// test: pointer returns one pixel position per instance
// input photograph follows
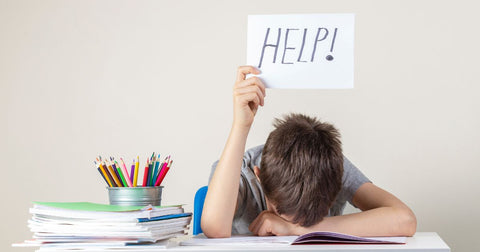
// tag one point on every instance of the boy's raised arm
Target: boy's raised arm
(220, 202)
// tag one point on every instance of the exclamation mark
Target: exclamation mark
(330, 57)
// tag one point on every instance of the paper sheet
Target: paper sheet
(302, 50)
(244, 240)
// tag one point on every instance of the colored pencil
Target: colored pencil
(105, 171)
(135, 177)
(145, 174)
(120, 173)
(110, 178)
(164, 172)
(99, 170)
(151, 166)
(155, 172)
(114, 175)
(122, 178)
(160, 174)
(104, 174)
(150, 171)
(125, 174)
(162, 167)
(132, 171)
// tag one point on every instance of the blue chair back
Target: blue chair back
(198, 208)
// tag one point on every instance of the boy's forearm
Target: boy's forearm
(221, 199)
(383, 221)
(222, 194)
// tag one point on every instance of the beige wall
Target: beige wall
(125, 78)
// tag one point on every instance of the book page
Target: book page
(244, 240)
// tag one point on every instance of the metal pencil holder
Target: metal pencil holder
(135, 196)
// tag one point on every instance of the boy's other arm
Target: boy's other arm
(220, 201)
(382, 214)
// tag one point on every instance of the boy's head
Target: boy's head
(301, 168)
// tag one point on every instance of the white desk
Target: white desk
(420, 242)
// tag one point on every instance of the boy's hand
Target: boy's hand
(268, 223)
(248, 94)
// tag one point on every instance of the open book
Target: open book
(310, 238)
(332, 237)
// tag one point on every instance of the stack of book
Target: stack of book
(82, 224)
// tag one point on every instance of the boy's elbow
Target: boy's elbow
(211, 229)
(408, 222)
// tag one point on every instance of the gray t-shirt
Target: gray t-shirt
(251, 200)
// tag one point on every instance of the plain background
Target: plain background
(125, 78)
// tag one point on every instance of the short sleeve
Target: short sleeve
(352, 179)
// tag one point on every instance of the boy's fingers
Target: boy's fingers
(256, 103)
(242, 71)
(251, 89)
(263, 231)
(245, 99)
(252, 228)
(265, 228)
(252, 81)
(257, 226)
(254, 225)
(254, 108)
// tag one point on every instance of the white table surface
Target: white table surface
(420, 242)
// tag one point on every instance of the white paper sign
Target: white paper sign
(302, 50)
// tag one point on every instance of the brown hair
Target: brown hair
(302, 167)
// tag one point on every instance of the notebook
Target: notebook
(76, 225)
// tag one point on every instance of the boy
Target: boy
(297, 183)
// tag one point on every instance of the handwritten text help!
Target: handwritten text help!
(304, 51)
